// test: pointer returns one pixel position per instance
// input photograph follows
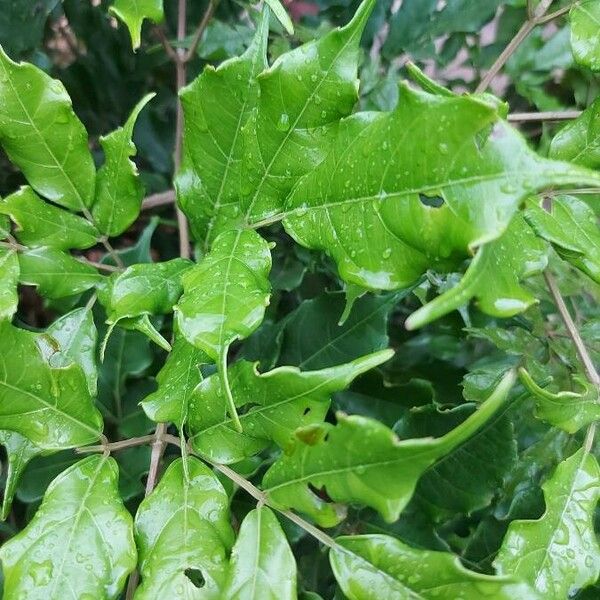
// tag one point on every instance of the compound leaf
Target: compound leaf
(558, 553)
(216, 106)
(370, 567)
(279, 402)
(361, 460)
(55, 160)
(182, 530)
(262, 564)
(42, 224)
(119, 191)
(50, 406)
(80, 542)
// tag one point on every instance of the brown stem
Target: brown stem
(582, 351)
(556, 115)
(112, 446)
(212, 5)
(160, 199)
(524, 31)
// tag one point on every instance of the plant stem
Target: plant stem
(212, 5)
(557, 115)
(227, 388)
(582, 351)
(112, 446)
(533, 20)
(160, 199)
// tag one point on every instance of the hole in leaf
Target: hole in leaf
(432, 201)
(306, 411)
(320, 492)
(326, 438)
(196, 577)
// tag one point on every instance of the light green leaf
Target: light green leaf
(280, 401)
(402, 192)
(177, 381)
(579, 140)
(302, 96)
(119, 191)
(361, 460)
(225, 295)
(74, 338)
(281, 14)
(133, 13)
(372, 567)
(19, 451)
(493, 277)
(262, 564)
(568, 410)
(558, 553)
(55, 160)
(80, 542)
(9, 278)
(56, 274)
(181, 529)
(571, 226)
(585, 33)
(50, 406)
(216, 106)
(143, 289)
(42, 224)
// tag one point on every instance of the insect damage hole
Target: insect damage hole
(195, 576)
(432, 200)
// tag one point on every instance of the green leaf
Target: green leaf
(312, 338)
(281, 14)
(50, 406)
(56, 274)
(493, 277)
(55, 160)
(579, 140)
(216, 106)
(302, 96)
(74, 338)
(177, 381)
(181, 529)
(279, 402)
(80, 542)
(558, 553)
(361, 460)
(143, 289)
(262, 564)
(42, 224)
(19, 451)
(9, 278)
(568, 410)
(401, 192)
(119, 191)
(571, 226)
(133, 13)
(585, 33)
(225, 295)
(371, 567)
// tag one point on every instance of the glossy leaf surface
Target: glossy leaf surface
(80, 542)
(262, 564)
(42, 224)
(183, 527)
(50, 406)
(302, 95)
(361, 460)
(56, 161)
(585, 36)
(370, 567)
(216, 105)
(558, 553)
(119, 191)
(9, 278)
(571, 227)
(371, 208)
(278, 401)
(133, 13)
(225, 295)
